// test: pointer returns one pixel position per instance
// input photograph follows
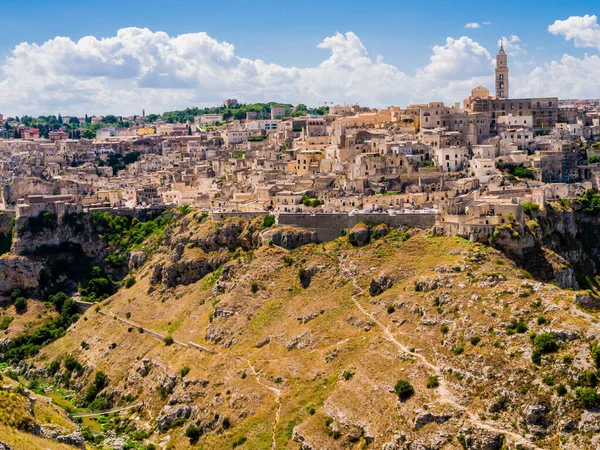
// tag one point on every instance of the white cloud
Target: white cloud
(486, 23)
(570, 77)
(139, 68)
(583, 30)
(512, 45)
(472, 25)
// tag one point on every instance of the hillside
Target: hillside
(408, 341)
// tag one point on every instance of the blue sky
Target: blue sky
(287, 34)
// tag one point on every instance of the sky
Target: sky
(119, 57)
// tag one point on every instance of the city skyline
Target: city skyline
(102, 69)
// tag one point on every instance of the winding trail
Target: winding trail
(275, 391)
(444, 393)
(108, 411)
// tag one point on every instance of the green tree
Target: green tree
(88, 133)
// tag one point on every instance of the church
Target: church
(544, 110)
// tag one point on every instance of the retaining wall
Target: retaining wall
(328, 226)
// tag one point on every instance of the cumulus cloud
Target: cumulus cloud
(512, 45)
(570, 77)
(583, 30)
(472, 25)
(138, 68)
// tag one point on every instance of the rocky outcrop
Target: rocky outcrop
(425, 417)
(362, 233)
(186, 271)
(4, 446)
(18, 272)
(587, 301)
(137, 259)
(169, 415)
(289, 237)
(380, 284)
(75, 439)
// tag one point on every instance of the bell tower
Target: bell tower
(501, 73)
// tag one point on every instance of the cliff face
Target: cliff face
(556, 245)
(18, 272)
(32, 236)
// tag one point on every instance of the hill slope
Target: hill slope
(272, 348)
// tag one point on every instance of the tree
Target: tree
(74, 120)
(227, 115)
(88, 133)
(59, 118)
(404, 389)
(110, 119)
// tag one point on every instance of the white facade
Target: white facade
(451, 159)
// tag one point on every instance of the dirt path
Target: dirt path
(445, 396)
(277, 393)
(108, 411)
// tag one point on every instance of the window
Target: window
(447, 157)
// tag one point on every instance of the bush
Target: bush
(530, 208)
(433, 382)
(129, 281)
(21, 304)
(193, 433)
(545, 343)
(390, 309)
(541, 320)
(404, 390)
(226, 423)
(595, 350)
(517, 327)
(347, 374)
(444, 329)
(168, 340)
(184, 371)
(458, 350)
(587, 397)
(268, 222)
(239, 441)
(71, 364)
(254, 287)
(475, 340)
(5, 322)
(561, 390)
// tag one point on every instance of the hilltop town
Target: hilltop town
(467, 168)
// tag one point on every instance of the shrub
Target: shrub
(347, 374)
(239, 441)
(545, 343)
(390, 309)
(567, 359)
(541, 320)
(226, 423)
(475, 340)
(193, 433)
(71, 364)
(561, 390)
(530, 208)
(404, 390)
(433, 382)
(458, 349)
(168, 340)
(588, 379)
(129, 281)
(587, 397)
(536, 357)
(595, 350)
(5, 322)
(444, 329)
(21, 304)
(254, 287)
(517, 327)
(184, 371)
(288, 260)
(268, 222)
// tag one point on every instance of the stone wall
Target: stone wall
(328, 226)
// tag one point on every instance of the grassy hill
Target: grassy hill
(224, 343)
